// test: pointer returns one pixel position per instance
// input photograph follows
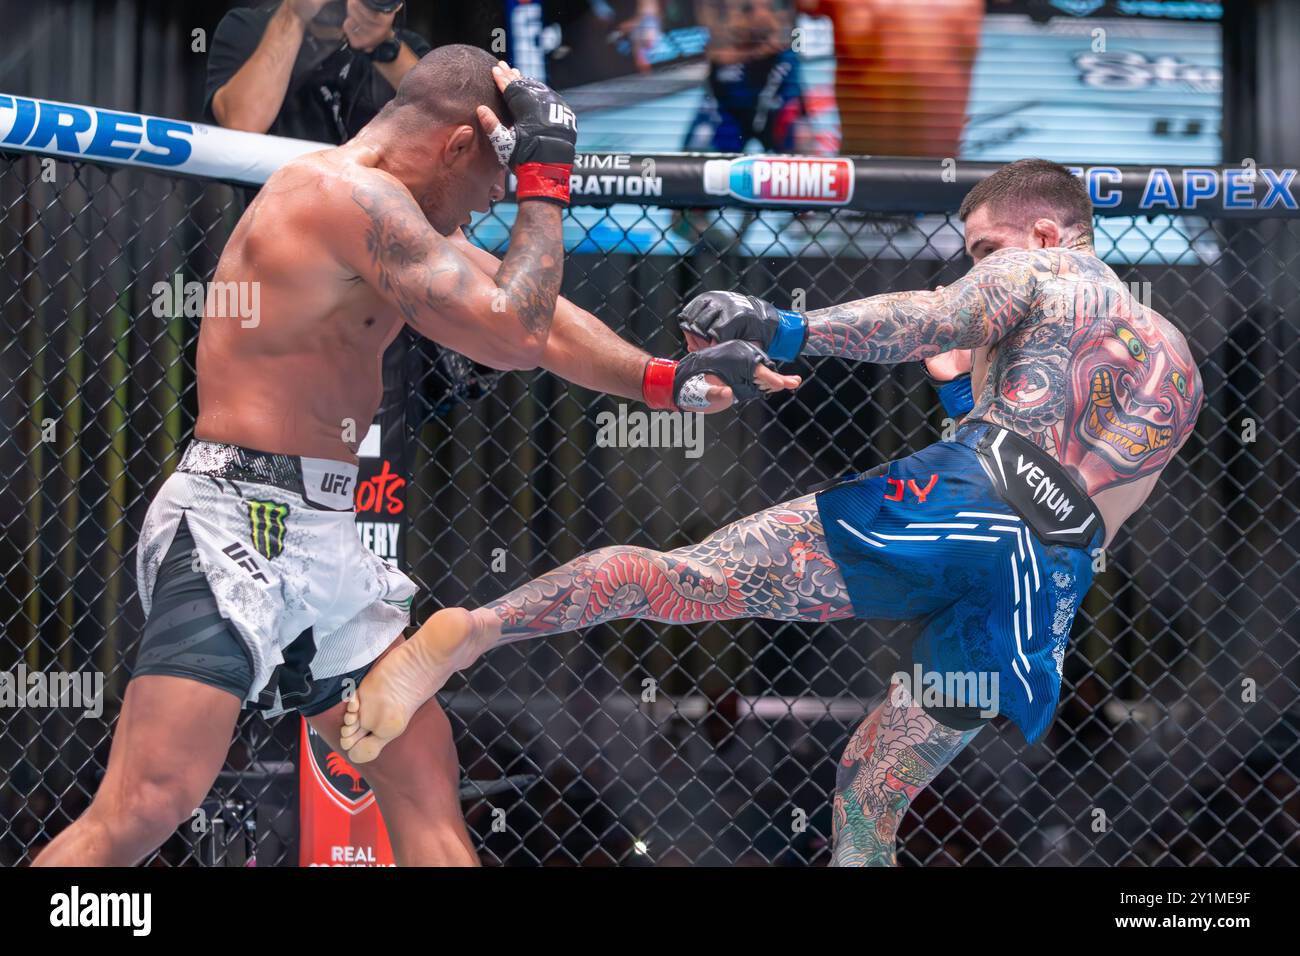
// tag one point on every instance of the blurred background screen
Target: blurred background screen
(1130, 81)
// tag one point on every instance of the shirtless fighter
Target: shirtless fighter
(256, 585)
(1081, 397)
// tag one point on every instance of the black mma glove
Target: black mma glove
(540, 147)
(668, 384)
(731, 316)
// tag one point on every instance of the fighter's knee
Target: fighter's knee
(156, 805)
(423, 754)
(413, 782)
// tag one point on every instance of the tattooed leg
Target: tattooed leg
(772, 565)
(892, 756)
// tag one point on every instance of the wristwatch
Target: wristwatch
(387, 51)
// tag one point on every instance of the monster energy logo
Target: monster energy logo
(266, 518)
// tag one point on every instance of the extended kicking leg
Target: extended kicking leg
(773, 565)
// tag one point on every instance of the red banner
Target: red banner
(339, 821)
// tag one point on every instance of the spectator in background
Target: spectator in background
(311, 69)
(754, 86)
(754, 92)
(902, 72)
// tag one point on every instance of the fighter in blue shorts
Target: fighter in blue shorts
(1079, 396)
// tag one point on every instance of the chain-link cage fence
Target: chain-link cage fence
(1176, 738)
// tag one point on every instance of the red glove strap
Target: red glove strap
(657, 385)
(543, 181)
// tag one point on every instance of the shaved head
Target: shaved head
(430, 138)
(445, 88)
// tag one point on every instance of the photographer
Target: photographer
(310, 69)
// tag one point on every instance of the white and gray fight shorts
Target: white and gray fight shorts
(254, 580)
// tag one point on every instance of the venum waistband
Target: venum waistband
(1038, 489)
(322, 482)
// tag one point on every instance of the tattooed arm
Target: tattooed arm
(977, 309)
(501, 319)
(581, 348)
(584, 350)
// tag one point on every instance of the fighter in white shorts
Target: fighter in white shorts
(254, 579)
(256, 585)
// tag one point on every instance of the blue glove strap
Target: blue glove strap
(788, 341)
(956, 395)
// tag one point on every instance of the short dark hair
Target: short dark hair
(446, 86)
(1022, 191)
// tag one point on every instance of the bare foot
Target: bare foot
(403, 679)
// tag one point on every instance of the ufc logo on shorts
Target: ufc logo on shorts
(333, 484)
(561, 115)
(236, 552)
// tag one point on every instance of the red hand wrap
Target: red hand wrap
(543, 181)
(657, 385)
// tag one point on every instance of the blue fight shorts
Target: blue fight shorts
(986, 544)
